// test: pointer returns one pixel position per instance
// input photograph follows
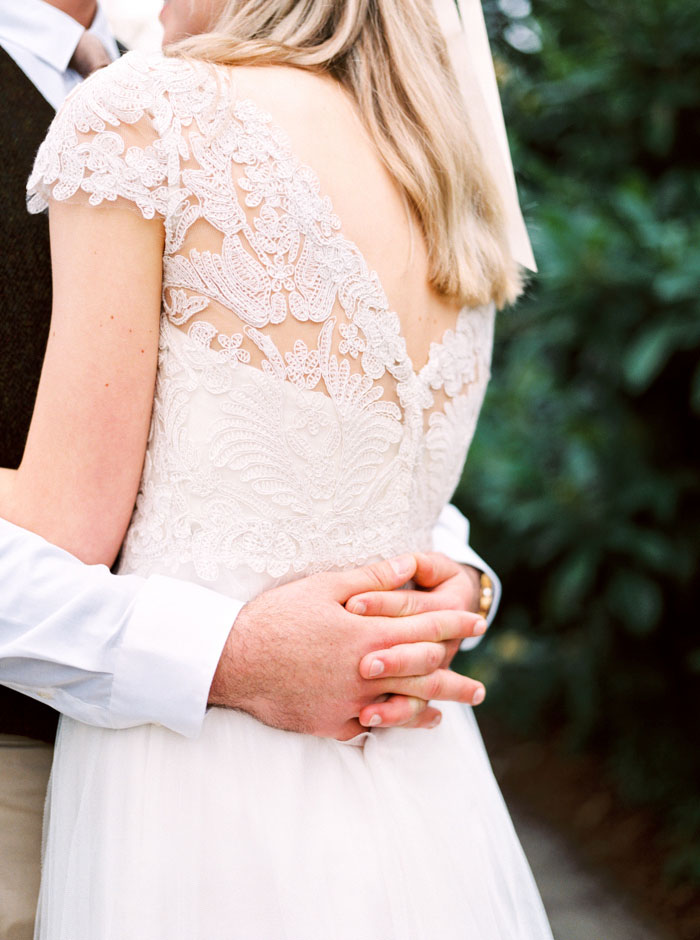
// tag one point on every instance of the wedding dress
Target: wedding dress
(290, 434)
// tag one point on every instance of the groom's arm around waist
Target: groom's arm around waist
(119, 651)
(113, 651)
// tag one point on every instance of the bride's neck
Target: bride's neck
(83, 11)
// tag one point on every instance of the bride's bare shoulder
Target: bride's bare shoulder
(288, 80)
(294, 91)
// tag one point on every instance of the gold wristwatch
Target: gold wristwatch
(485, 594)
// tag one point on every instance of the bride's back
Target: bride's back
(327, 134)
(322, 379)
(336, 258)
(315, 395)
(326, 138)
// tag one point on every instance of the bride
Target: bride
(277, 254)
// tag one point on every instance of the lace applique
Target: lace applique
(290, 432)
(118, 138)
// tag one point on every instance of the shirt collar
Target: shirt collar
(49, 33)
(101, 28)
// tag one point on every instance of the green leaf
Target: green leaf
(636, 600)
(571, 583)
(646, 356)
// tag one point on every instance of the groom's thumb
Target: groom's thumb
(379, 576)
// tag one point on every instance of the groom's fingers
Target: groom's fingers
(406, 659)
(432, 627)
(451, 648)
(399, 711)
(403, 603)
(442, 685)
(378, 595)
(432, 568)
(380, 576)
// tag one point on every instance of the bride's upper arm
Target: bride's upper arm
(79, 475)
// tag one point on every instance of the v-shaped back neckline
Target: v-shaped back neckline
(283, 136)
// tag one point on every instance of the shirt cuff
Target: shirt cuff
(168, 654)
(451, 537)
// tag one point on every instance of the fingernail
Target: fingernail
(358, 607)
(479, 628)
(375, 720)
(435, 722)
(376, 669)
(479, 696)
(403, 565)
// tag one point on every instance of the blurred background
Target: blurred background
(583, 481)
(135, 22)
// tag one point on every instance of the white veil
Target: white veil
(462, 23)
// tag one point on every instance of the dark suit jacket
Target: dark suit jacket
(25, 311)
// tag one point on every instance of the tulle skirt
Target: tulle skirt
(251, 833)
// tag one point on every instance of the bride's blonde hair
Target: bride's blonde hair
(391, 57)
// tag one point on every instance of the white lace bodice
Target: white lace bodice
(290, 431)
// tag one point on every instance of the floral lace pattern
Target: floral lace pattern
(280, 456)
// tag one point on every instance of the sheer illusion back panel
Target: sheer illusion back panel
(285, 324)
(277, 224)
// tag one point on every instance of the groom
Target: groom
(121, 651)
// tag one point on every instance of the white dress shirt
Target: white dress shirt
(42, 39)
(108, 650)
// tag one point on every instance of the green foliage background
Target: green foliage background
(582, 483)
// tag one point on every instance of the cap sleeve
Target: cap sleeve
(103, 148)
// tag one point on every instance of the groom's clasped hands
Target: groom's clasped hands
(336, 653)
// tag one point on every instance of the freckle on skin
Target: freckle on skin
(106, 384)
